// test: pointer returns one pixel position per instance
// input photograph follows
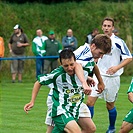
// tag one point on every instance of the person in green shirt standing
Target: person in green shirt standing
(38, 50)
(52, 47)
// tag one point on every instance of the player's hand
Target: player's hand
(112, 70)
(100, 87)
(28, 107)
(87, 91)
(90, 81)
(19, 44)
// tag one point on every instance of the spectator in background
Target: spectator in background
(52, 47)
(115, 31)
(2, 49)
(17, 44)
(69, 41)
(38, 50)
(91, 35)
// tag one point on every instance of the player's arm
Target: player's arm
(99, 78)
(10, 47)
(130, 97)
(114, 69)
(80, 74)
(35, 91)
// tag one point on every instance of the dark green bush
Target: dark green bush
(81, 17)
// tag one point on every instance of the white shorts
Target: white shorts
(110, 92)
(83, 112)
(48, 120)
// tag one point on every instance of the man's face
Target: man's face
(96, 52)
(52, 36)
(69, 65)
(107, 27)
(16, 31)
(39, 33)
(69, 33)
(96, 32)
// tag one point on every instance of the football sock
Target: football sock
(91, 108)
(112, 117)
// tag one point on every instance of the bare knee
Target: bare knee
(91, 101)
(89, 130)
(72, 127)
(110, 105)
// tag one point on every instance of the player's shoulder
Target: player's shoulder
(44, 37)
(35, 38)
(58, 71)
(117, 39)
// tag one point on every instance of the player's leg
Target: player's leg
(112, 116)
(65, 122)
(48, 121)
(93, 97)
(126, 127)
(127, 124)
(90, 103)
(72, 127)
(49, 129)
(87, 125)
(85, 121)
(111, 86)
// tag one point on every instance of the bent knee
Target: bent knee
(90, 102)
(93, 129)
(89, 130)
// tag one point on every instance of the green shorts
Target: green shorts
(129, 117)
(61, 121)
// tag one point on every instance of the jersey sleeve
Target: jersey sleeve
(34, 49)
(130, 89)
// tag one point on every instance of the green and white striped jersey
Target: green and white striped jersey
(67, 90)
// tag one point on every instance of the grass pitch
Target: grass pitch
(15, 95)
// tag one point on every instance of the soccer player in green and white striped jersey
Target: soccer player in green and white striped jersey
(127, 124)
(76, 98)
(68, 93)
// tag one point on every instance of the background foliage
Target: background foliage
(57, 1)
(82, 17)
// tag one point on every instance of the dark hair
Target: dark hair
(66, 54)
(108, 19)
(102, 42)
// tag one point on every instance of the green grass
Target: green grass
(15, 95)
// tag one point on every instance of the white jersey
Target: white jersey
(40, 40)
(39, 43)
(119, 52)
(84, 56)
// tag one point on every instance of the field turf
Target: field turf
(15, 95)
